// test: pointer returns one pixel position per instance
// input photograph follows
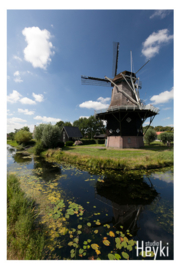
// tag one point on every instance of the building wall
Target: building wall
(125, 141)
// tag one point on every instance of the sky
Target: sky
(49, 50)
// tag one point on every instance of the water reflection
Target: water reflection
(127, 196)
(47, 170)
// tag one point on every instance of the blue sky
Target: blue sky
(49, 50)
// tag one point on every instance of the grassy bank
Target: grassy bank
(12, 143)
(124, 159)
(25, 237)
(155, 155)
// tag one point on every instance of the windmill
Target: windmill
(126, 112)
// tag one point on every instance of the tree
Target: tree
(89, 126)
(38, 132)
(150, 136)
(26, 128)
(82, 124)
(23, 136)
(11, 136)
(60, 124)
(51, 136)
(67, 124)
(166, 137)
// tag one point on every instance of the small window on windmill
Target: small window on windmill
(128, 119)
(129, 140)
(127, 100)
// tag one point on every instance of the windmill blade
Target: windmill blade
(142, 66)
(95, 81)
(115, 58)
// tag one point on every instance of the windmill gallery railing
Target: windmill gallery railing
(128, 107)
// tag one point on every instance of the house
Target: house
(159, 132)
(70, 134)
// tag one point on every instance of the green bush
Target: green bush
(38, 148)
(69, 143)
(50, 136)
(150, 136)
(88, 141)
(23, 137)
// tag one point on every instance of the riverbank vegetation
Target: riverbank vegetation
(25, 237)
(151, 156)
(124, 159)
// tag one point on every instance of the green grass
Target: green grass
(25, 238)
(12, 143)
(148, 157)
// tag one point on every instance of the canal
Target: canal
(99, 214)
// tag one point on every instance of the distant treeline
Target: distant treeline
(161, 128)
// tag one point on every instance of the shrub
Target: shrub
(51, 136)
(38, 132)
(150, 135)
(38, 148)
(69, 143)
(23, 136)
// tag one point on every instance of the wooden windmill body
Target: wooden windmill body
(126, 113)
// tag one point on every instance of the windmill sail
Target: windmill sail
(94, 81)
(115, 58)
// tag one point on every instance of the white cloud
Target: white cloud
(84, 117)
(16, 73)
(8, 77)
(160, 13)
(166, 118)
(146, 123)
(47, 119)
(26, 100)
(52, 25)
(39, 49)
(16, 119)
(165, 109)
(38, 98)
(15, 122)
(152, 44)
(14, 97)
(18, 80)
(8, 113)
(26, 111)
(100, 104)
(17, 58)
(163, 97)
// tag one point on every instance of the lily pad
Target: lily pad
(98, 251)
(106, 242)
(117, 256)
(111, 256)
(89, 224)
(94, 246)
(111, 234)
(125, 255)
